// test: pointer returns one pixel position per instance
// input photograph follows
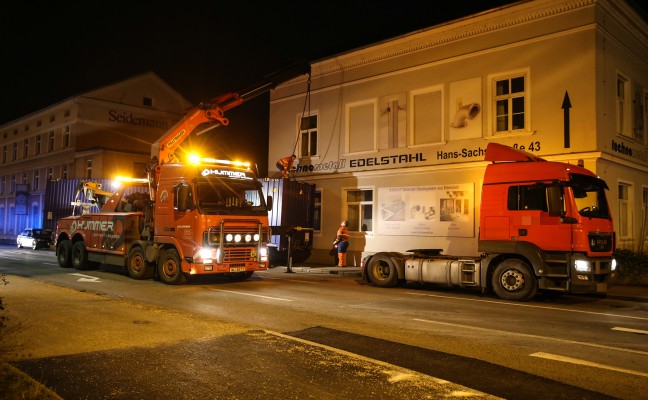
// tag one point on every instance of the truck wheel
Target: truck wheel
(513, 280)
(137, 266)
(169, 268)
(382, 271)
(64, 254)
(79, 255)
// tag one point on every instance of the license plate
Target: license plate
(237, 269)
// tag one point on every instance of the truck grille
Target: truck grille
(239, 254)
(600, 242)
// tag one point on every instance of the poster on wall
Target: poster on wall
(436, 210)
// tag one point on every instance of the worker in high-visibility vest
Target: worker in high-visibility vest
(285, 165)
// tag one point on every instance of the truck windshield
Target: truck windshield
(230, 197)
(589, 193)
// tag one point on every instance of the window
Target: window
(427, 118)
(36, 181)
(66, 136)
(50, 173)
(4, 154)
(623, 105)
(510, 104)
(52, 118)
(88, 169)
(359, 209)
(38, 145)
(64, 172)
(66, 113)
(308, 136)
(12, 184)
(3, 182)
(317, 210)
(361, 124)
(147, 102)
(50, 141)
(644, 220)
(24, 178)
(25, 148)
(639, 115)
(625, 211)
(14, 152)
(392, 132)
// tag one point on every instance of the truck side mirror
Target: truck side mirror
(182, 200)
(269, 203)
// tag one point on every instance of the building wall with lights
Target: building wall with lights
(96, 135)
(394, 134)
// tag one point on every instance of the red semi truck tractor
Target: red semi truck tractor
(544, 226)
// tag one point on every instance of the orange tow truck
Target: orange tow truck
(200, 216)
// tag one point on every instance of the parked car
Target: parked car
(35, 238)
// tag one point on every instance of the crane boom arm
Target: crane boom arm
(211, 113)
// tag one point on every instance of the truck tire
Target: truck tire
(170, 268)
(382, 271)
(79, 255)
(514, 280)
(137, 266)
(64, 254)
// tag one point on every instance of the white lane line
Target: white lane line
(618, 328)
(87, 278)
(570, 360)
(550, 339)
(528, 306)
(252, 295)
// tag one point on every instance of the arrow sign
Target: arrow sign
(86, 278)
(566, 105)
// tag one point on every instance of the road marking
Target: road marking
(87, 278)
(618, 328)
(394, 371)
(550, 339)
(252, 295)
(570, 360)
(54, 264)
(507, 303)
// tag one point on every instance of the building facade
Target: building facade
(394, 134)
(97, 135)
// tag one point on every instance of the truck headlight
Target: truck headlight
(206, 255)
(263, 254)
(582, 266)
(613, 265)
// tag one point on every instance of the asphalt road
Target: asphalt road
(99, 334)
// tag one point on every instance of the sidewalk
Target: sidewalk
(616, 292)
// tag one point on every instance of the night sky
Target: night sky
(51, 52)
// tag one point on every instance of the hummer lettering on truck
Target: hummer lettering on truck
(102, 226)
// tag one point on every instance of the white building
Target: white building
(393, 135)
(96, 135)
